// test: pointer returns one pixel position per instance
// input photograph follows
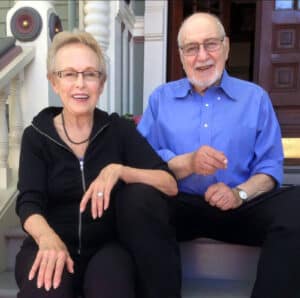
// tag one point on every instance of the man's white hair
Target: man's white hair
(197, 15)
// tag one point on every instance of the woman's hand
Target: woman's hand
(100, 189)
(50, 261)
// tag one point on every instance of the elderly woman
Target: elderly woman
(65, 205)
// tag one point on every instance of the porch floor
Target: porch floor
(192, 288)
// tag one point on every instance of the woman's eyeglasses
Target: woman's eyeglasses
(72, 75)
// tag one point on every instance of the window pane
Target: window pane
(284, 4)
(298, 4)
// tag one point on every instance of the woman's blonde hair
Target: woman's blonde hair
(64, 38)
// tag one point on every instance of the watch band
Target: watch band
(241, 194)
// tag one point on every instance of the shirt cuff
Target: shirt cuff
(166, 154)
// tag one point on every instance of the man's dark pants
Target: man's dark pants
(150, 223)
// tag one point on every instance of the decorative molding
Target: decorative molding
(284, 75)
(153, 37)
(134, 24)
(97, 21)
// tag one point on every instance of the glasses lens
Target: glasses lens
(212, 45)
(69, 75)
(191, 49)
(91, 75)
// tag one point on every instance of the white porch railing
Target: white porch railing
(11, 123)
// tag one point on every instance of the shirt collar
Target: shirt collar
(182, 88)
(228, 86)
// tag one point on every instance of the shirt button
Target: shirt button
(205, 125)
(218, 98)
(207, 105)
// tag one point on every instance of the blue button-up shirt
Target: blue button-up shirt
(235, 117)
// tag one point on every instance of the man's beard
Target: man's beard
(204, 84)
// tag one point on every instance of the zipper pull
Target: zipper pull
(81, 164)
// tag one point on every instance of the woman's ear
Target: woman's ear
(53, 82)
(101, 87)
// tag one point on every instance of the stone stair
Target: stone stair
(13, 241)
(8, 287)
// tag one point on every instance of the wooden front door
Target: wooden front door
(278, 60)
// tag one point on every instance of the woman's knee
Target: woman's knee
(110, 272)
(29, 289)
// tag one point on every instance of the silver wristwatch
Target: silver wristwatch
(242, 194)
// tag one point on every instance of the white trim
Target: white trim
(155, 46)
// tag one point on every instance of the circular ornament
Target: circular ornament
(55, 25)
(26, 24)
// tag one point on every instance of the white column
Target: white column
(96, 21)
(155, 45)
(15, 123)
(4, 170)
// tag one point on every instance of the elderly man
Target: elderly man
(221, 138)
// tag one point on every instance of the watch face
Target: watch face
(243, 195)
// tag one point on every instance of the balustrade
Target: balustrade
(4, 169)
(11, 119)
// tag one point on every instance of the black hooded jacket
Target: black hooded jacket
(52, 180)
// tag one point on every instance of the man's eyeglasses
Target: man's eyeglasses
(210, 45)
(72, 75)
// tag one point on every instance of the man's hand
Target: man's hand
(222, 197)
(204, 161)
(50, 261)
(207, 160)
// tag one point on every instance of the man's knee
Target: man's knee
(138, 205)
(287, 219)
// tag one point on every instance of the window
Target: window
(287, 4)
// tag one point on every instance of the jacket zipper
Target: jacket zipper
(81, 165)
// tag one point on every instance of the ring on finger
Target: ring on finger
(100, 194)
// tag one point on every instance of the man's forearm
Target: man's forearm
(257, 185)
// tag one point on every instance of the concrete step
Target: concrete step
(292, 175)
(8, 286)
(210, 259)
(192, 288)
(13, 240)
(216, 288)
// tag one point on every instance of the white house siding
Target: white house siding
(5, 5)
(61, 7)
